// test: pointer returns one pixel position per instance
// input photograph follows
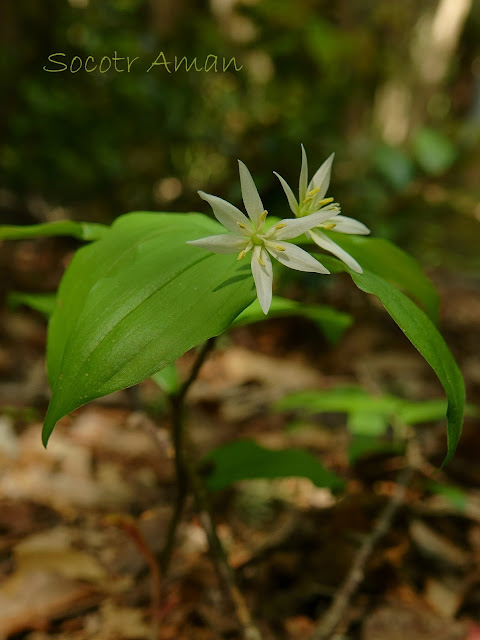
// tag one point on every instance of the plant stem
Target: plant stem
(189, 480)
(177, 410)
(219, 556)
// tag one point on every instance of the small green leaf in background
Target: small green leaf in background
(43, 302)
(245, 460)
(81, 230)
(133, 302)
(361, 445)
(434, 151)
(456, 496)
(167, 379)
(395, 165)
(394, 265)
(331, 322)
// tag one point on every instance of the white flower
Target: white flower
(312, 200)
(249, 233)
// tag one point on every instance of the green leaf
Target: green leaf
(167, 379)
(434, 151)
(394, 164)
(367, 423)
(389, 261)
(331, 322)
(340, 399)
(43, 302)
(457, 497)
(81, 230)
(135, 301)
(244, 459)
(425, 337)
(361, 445)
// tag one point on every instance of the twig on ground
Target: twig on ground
(330, 620)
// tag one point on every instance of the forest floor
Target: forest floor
(82, 522)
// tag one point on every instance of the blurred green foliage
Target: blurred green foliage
(100, 144)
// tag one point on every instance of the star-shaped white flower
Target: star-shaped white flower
(312, 200)
(249, 233)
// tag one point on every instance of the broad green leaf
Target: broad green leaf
(167, 379)
(385, 259)
(81, 230)
(43, 302)
(244, 460)
(332, 323)
(425, 337)
(135, 301)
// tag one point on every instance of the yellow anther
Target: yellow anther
(241, 254)
(279, 247)
(261, 261)
(280, 225)
(263, 216)
(307, 200)
(325, 201)
(313, 191)
(330, 226)
(241, 225)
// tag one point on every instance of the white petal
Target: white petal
(295, 258)
(325, 243)
(321, 179)
(292, 201)
(224, 243)
(251, 198)
(295, 227)
(302, 183)
(343, 224)
(227, 214)
(263, 276)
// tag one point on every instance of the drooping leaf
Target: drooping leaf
(245, 459)
(331, 322)
(81, 230)
(424, 336)
(133, 302)
(388, 261)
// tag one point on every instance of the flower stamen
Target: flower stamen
(325, 201)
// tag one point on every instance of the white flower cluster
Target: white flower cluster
(313, 212)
